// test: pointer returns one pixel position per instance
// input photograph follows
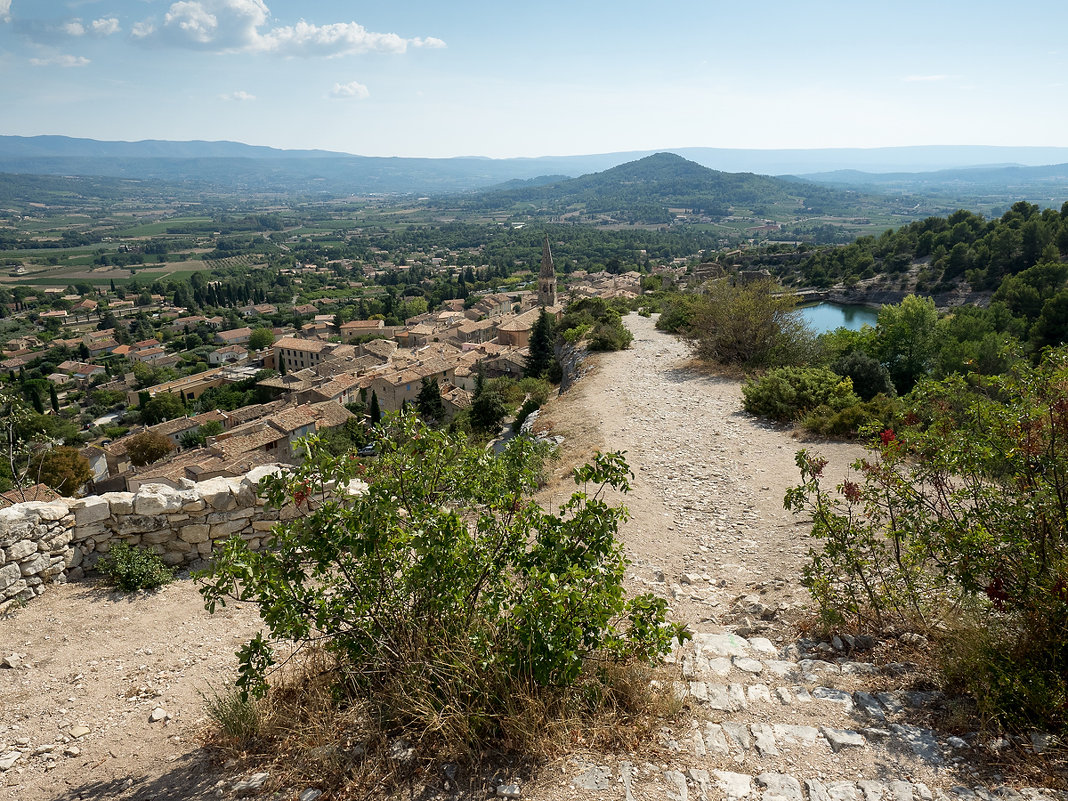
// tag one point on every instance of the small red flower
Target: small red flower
(851, 491)
(888, 437)
(302, 494)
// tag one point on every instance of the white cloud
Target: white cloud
(105, 26)
(74, 28)
(430, 41)
(236, 26)
(353, 89)
(60, 61)
(239, 96)
(5, 10)
(926, 78)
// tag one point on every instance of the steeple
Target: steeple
(547, 277)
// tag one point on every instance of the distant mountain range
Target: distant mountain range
(231, 166)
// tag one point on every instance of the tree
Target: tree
(260, 338)
(63, 469)
(442, 580)
(488, 409)
(540, 355)
(906, 340)
(147, 447)
(750, 326)
(53, 397)
(376, 410)
(428, 402)
(165, 406)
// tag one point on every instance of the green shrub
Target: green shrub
(676, 313)
(852, 420)
(785, 393)
(958, 518)
(445, 593)
(131, 568)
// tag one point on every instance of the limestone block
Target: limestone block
(74, 557)
(179, 546)
(194, 506)
(9, 574)
(195, 533)
(27, 594)
(157, 499)
(289, 512)
(254, 544)
(225, 529)
(20, 550)
(157, 537)
(204, 548)
(173, 558)
(121, 503)
(59, 540)
(253, 477)
(14, 589)
(90, 510)
(139, 524)
(103, 536)
(51, 511)
(34, 581)
(16, 524)
(262, 525)
(220, 493)
(75, 573)
(174, 519)
(91, 531)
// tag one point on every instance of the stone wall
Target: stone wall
(42, 543)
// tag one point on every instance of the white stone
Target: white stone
(9, 574)
(508, 791)
(843, 738)
(735, 786)
(158, 714)
(219, 493)
(9, 759)
(121, 503)
(35, 566)
(194, 533)
(90, 510)
(720, 645)
(250, 786)
(20, 550)
(157, 499)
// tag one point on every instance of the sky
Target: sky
(472, 78)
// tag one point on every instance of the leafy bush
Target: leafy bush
(852, 420)
(784, 393)
(750, 326)
(444, 592)
(869, 376)
(600, 321)
(677, 313)
(959, 517)
(131, 568)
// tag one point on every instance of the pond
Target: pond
(823, 317)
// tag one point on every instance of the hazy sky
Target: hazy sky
(434, 78)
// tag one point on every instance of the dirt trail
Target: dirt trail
(707, 498)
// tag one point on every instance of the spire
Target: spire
(547, 277)
(548, 270)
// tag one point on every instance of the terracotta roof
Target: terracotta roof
(38, 492)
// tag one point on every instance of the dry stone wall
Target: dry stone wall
(42, 543)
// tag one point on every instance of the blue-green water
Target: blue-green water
(828, 316)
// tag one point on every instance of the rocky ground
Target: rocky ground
(769, 716)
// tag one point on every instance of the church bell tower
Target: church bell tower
(547, 277)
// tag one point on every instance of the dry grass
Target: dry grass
(313, 729)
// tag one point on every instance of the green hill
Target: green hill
(657, 188)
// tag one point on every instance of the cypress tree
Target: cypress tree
(53, 397)
(540, 355)
(376, 410)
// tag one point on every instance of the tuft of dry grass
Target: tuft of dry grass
(315, 728)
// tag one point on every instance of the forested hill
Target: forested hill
(647, 190)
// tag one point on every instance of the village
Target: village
(311, 376)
